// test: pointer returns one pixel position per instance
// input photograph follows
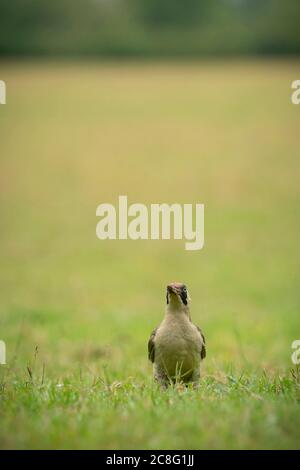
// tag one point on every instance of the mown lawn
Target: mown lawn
(76, 312)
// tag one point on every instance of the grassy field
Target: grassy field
(76, 312)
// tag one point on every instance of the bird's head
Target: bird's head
(177, 294)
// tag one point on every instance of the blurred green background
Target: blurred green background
(146, 28)
(76, 312)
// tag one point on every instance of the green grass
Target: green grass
(89, 411)
(76, 313)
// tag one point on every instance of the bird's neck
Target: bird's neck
(178, 310)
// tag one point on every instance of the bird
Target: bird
(177, 346)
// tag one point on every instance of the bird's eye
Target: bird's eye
(183, 295)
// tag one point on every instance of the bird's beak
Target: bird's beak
(172, 289)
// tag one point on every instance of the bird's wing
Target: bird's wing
(151, 346)
(203, 349)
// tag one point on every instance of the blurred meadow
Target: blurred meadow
(76, 312)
